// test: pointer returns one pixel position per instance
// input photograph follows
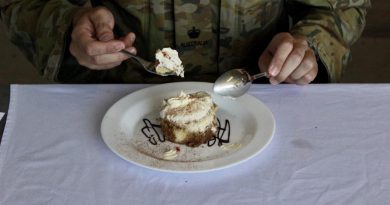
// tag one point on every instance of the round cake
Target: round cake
(189, 119)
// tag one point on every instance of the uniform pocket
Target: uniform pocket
(244, 24)
(258, 14)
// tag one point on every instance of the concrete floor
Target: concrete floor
(370, 61)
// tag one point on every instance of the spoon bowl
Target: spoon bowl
(235, 82)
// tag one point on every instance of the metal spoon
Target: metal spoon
(148, 66)
(235, 83)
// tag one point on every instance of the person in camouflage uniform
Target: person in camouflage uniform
(293, 40)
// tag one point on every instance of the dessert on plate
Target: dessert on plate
(168, 61)
(189, 119)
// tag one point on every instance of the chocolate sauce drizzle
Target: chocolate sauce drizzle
(221, 137)
(149, 130)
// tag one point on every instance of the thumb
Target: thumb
(129, 39)
(104, 22)
(264, 61)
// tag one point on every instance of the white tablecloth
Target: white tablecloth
(331, 146)
(1, 115)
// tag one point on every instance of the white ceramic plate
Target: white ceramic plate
(130, 128)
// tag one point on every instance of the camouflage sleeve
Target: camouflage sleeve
(39, 29)
(331, 27)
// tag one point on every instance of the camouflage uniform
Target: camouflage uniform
(211, 36)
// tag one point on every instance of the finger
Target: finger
(308, 78)
(83, 31)
(293, 60)
(129, 39)
(83, 26)
(103, 67)
(289, 80)
(108, 58)
(264, 61)
(301, 40)
(92, 47)
(308, 63)
(83, 37)
(281, 46)
(273, 81)
(104, 22)
(89, 64)
(81, 57)
(132, 50)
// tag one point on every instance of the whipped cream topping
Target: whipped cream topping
(168, 62)
(195, 112)
(170, 154)
(232, 146)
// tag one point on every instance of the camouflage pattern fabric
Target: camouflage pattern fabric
(211, 36)
(331, 27)
(39, 28)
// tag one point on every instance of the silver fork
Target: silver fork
(148, 66)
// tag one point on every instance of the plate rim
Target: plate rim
(194, 85)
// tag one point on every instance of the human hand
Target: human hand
(93, 42)
(289, 59)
